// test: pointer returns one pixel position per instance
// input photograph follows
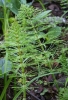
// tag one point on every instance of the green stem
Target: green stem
(5, 88)
(5, 12)
(15, 86)
(24, 85)
(23, 70)
(5, 80)
(5, 26)
(42, 4)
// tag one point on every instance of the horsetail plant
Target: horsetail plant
(24, 44)
(21, 42)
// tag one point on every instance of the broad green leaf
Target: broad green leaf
(53, 33)
(13, 5)
(2, 66)
(42, 15)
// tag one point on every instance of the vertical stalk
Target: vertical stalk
(23, 70)
(15, 86)
(5, 25)
(5, 18)
(41, 4)
(23, 77)
(24, 85)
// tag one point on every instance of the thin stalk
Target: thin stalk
(23, 78)
(5, 87)
(5, 18)
(23, 71)
(5, 79)
(24, 86)
(5, 25)
(42, 4)
(5, 76)
(15, 86)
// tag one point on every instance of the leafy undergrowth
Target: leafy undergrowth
(47, 75)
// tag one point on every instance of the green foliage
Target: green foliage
(63, 94)
(52, 34)
(64, 6)
(24, 46)
(64, 3)
(64, 60)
